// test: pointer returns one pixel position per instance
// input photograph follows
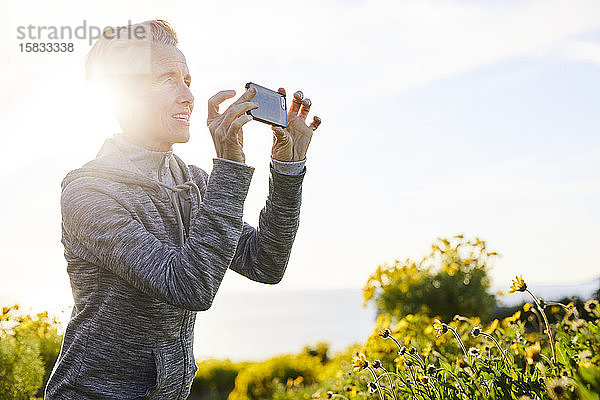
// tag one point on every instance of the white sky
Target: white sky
(439, 117)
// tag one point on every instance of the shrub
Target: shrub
(215, 379)
(452, 279)
(28, 349)
(417, 357)
(262, 380)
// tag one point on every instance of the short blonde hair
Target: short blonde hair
(127, 50)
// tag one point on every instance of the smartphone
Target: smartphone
(272, 108)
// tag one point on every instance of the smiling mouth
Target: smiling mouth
(182, 117)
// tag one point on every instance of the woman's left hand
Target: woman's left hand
(291, 143)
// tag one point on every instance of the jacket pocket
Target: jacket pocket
(159, 362)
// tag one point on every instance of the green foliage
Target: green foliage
(215, 379)
(29, 347)
(452, 279)
(295, 376)
(261, 380)
(320, 350)
(21, 370)
(509, 359)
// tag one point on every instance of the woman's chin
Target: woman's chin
(183, 136)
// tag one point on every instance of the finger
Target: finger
(315, 123)
(281, 91)
(305, 109)
(236, 110)
(280, 137)
(213, 102)
(278, 133)
(236, 126)
(247, 96)
(296, 103)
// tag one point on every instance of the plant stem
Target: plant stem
(389, 379)
(539, 318)
(417, 359)
(550, 339)
(460, 384)
(497, 345)
(395, 341)
(376, 382)
(457, 336)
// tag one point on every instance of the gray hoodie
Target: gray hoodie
(144, 255)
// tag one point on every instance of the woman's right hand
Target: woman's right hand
(226, 128)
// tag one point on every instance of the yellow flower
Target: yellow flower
(514, 317)
(439, 328)
(383, 321)
(399, 362)
(515, 348)
(401, 325)
(532, 353)
(384, 333)
(585, 358)
(591, 306)
(359, 362)
(518, 285)
(526, 307)
(426, 350)
(492, 327)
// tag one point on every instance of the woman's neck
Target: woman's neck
(148, 143)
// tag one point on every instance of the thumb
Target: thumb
(279, 133)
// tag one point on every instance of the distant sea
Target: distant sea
(255, 326)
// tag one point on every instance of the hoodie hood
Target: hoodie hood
(114, 162)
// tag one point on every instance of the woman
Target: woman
(147, 238)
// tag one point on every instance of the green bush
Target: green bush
(452, 279)
(320, 350)
(520, 357)
(263, 380)
(29, 347)
(215, 379)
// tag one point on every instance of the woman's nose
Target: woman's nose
(186, 96)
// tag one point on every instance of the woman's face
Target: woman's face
(161, 103)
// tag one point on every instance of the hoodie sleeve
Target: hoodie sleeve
(262, 254)
(98, 226)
